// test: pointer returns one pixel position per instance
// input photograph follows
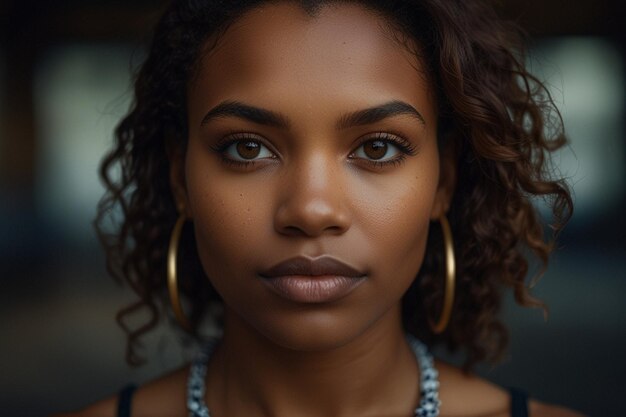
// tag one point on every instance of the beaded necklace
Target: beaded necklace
(429, 384)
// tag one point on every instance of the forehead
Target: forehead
(279, 51)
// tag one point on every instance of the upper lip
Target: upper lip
(302, 265)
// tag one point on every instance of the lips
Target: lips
(312, 280)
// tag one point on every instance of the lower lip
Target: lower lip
(312, 289)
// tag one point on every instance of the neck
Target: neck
(375, 373)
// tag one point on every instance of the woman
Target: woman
(313, 148)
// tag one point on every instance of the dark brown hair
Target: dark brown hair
(499, 118)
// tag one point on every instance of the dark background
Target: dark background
(64, 83)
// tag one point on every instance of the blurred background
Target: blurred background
(65, 71)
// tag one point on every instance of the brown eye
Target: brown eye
(375, 149)
(384, 149)
(248, 149)
(244, 149)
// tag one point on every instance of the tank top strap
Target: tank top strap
(519, 402)
(125, 400)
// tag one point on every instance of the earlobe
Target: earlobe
(177, 179)
(447, 180)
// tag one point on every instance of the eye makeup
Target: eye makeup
(378, 150)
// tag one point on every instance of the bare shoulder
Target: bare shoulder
(538, 409)
(164, 396)
(464, 394)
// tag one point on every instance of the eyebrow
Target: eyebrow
(269, 118)
(247, 112)
(378, 113)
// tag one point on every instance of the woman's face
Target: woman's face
(311, 140)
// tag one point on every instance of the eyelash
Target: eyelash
(234, 137)
(405, 147)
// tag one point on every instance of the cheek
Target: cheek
(397, 210)
(400, 218)
(395, 222)
(228, 218)
(403, 232)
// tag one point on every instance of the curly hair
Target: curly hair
(500, 118)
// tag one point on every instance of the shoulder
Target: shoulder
(538, 409)
(464, 394)
(165, 397)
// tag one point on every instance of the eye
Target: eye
(383, 149)
(243, 148)
(247, 150)
(377, 150)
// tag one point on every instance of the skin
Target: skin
(313, 190)
(311, 199)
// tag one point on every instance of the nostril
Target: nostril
(311, 217)
(292, 231)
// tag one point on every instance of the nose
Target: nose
(313, 200)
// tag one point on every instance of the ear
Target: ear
(176, 157)
(447, 179)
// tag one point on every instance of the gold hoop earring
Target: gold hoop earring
(172, 277)
(448, 297)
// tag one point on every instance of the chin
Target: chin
(315, 330)
(311, 340)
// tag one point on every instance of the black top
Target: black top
(519, 402)
(125, 400)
